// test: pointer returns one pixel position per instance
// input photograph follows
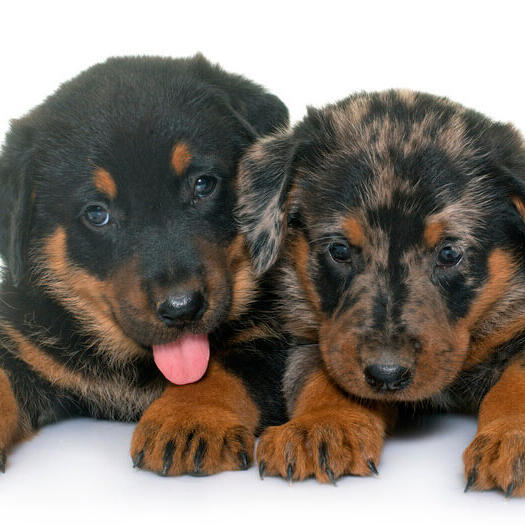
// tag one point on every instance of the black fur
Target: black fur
(125, 117)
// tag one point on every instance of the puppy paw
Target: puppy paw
(325, 445)
(496, 458)
(196, 440)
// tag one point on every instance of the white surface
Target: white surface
(80, 472)
(307, 53)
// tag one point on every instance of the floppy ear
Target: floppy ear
(266, 176)
(266, 179)
(260, 112)
(15, 200)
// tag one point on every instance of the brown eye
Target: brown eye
(340, 252)
(204, 186)
(449, 256)
(96, 215)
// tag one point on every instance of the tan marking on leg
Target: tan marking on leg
(496, 457)
(105, 183)
(180, 158)
(329, 435)
(13, 426)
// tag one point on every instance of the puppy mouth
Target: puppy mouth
(181, 353)
(184, 360)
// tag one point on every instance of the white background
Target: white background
(308, 53)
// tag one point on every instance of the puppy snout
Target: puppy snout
(387, 377)
(181, 308)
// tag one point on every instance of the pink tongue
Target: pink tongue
(185, 360)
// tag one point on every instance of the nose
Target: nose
(387, 377)
(181, 308)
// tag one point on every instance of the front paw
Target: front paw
(326, 445)
(191, 440)
(496, 458)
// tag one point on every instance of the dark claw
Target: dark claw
(289, 473)
(189, 439)
(262, 467)
(137, 460)
(372, 467)
(510, 490)
(471, 480)
(240, 440)
(331, 476)
(244, 460)
(323, 456)
(202, 447)
(168, 457)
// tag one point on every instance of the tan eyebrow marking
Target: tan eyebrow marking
(354, 231)
(105, 183)
(433, 232)
(180, 158)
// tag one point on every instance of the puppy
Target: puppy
(401, 217)
(125, 271)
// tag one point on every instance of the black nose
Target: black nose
(387, 377)
(181, 308)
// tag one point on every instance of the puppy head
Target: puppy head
(118, 194)
(404, 253)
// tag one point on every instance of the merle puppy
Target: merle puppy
(125, 271)
(401, 221)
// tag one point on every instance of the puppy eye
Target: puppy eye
(96, 215)
(340, 252)
(449, 256)
(204, 186)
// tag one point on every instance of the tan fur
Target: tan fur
(301, 253)
(354, 231)
(217, 409)
(244, 287)
(433, 233)
(518, 204)
(86, 297)
(14, 426)
(105, 183)
(501, 270)
(302, 320)
(180, 158)
(107, 395)
(350, 433)
(497, 454)
(253, 333)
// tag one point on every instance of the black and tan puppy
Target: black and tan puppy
(124, 266)
(403, 279)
